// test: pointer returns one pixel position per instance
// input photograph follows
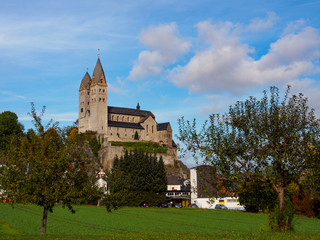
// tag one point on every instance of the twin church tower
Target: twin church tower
(118, 124)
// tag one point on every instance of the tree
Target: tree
(43, 169)
(138, 177)
(256, 195)
(272, 139)
(9, 126)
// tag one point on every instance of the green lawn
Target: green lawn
(91, 222)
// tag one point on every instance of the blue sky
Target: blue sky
(176, 58)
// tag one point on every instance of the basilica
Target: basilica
(118, 124)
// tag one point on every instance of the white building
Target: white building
(102, 182)
(207, 199)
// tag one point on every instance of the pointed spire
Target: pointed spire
(86, 82)
(138, 106)
(98, 73)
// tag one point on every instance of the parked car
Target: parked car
(144, 204)
(163, 205)
(177, 205)
(193, 205)
(220, 206)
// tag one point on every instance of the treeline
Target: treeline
(138, 177)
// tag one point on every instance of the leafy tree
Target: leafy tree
(138, 177)
(9, 126)
(272, 139)
(256, 195)
(43, 169)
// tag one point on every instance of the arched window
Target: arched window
(117, 118)
(122, 119)
(152, 129)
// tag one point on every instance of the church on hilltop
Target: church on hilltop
(116, 125)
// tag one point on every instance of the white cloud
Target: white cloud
(12, 95)
(259, 24)
(164, 46)
(301, 47)
(67, 116)
(57, 33)
(226, 64)
(116, 90)
(295, 26)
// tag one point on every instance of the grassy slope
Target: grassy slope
(145, 223)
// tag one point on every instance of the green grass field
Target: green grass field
(91, 222)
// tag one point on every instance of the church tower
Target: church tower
(93, 107)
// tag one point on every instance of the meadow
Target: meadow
(91, 222)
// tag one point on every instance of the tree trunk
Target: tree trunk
(280, 220)
(280, 192)
(281, 198)
(44, 219)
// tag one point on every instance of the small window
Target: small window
(81, 109)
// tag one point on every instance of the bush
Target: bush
(148, 147)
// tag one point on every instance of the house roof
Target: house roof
(174, 144)
(130, 111)
(163, 126)
(173, 180)
(125, 125)
(206, 181)
(98, 71)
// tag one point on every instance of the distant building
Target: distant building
(178, 191)
(118, 124)
(102, 182)
(204, 192)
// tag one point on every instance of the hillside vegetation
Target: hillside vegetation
(144, 146)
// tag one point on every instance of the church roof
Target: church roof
(124, 125)
(163, 126)
(86, 81)
(130, 111)
(98, 70)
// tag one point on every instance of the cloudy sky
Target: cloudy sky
(176, 58)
